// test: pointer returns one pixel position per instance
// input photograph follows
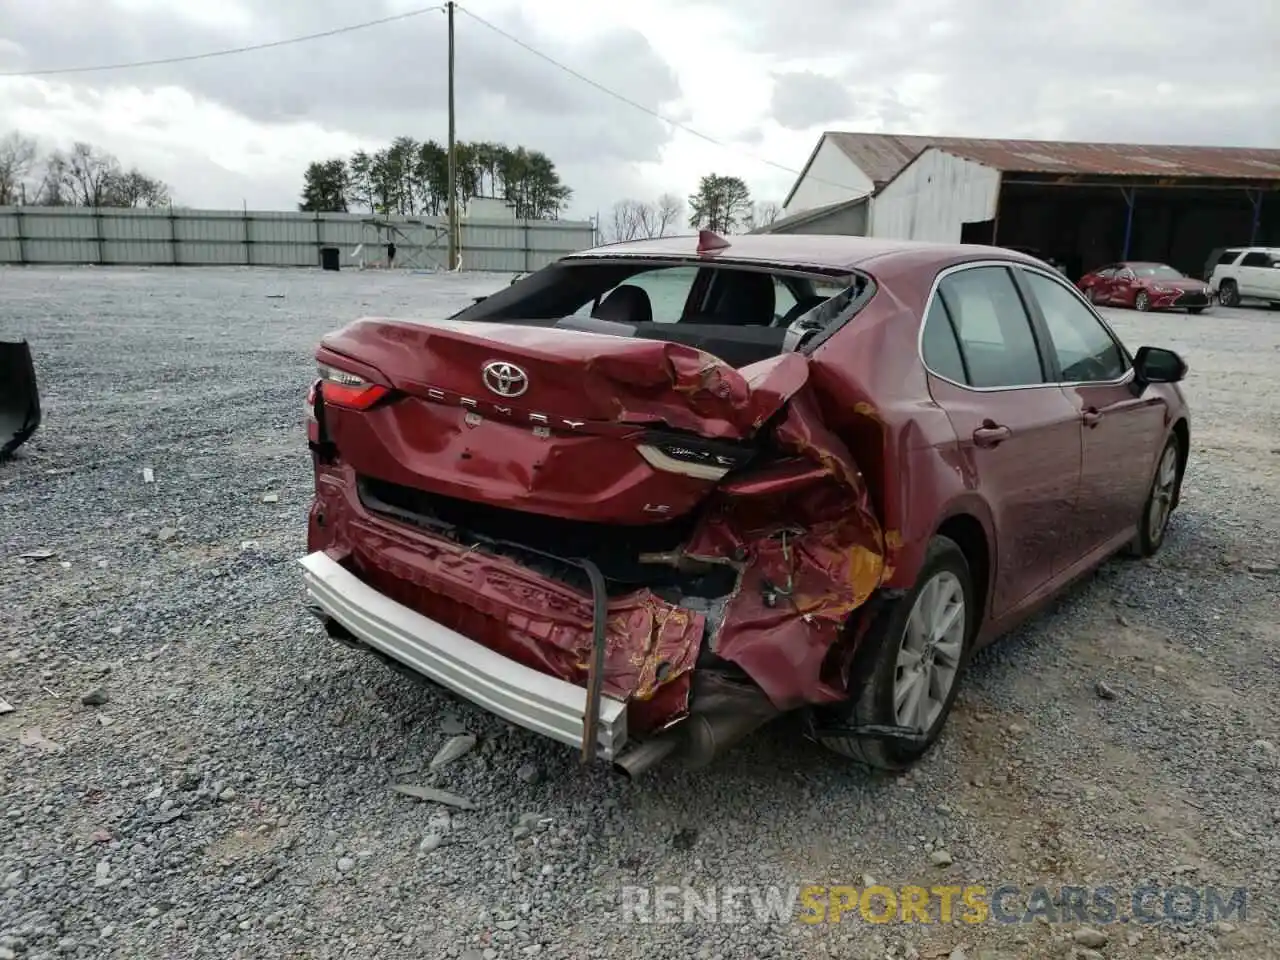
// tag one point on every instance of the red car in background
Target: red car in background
(1145, 286)
(653, 495)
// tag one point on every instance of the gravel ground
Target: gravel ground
(225, 791)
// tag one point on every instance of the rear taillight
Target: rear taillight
(343, 389)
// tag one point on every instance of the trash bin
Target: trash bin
(329, 258)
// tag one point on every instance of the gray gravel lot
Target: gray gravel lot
(230, 798)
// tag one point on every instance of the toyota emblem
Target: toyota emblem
(505, 379)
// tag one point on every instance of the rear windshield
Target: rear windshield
(740, 313)
(660, 292)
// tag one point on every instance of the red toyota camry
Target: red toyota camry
(658, 493)
(1145, 286)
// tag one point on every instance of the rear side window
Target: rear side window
(1229, 256)
(1086, 351)
(991, 323)
(939, 346)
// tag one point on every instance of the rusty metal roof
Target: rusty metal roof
(882, 156)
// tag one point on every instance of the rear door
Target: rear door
(1120, 434)
(1019, 435)
(1253, 274)
(1270, 277)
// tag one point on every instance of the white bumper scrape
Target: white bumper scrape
(511, 690)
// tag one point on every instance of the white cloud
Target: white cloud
(761, 76)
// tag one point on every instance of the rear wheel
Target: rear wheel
(1228, 293)
(1142, 302)
(1160, 500)
(915, 655)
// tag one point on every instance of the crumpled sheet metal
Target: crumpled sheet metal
(810, 541)
(625, 380)
(651, 645)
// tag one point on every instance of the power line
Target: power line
(640, 106)
(99, 68)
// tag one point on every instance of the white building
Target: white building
(1085, 204)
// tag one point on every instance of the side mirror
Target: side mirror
(1158, 365)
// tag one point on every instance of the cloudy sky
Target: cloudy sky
(761, 77)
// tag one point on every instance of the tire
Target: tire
(1142, 301)
(1228, 293)
(878, 673)
(1195, 310)
(1161, 497)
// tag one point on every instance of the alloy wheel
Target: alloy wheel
(1162, 494)
(930, 651)
(1142, 302)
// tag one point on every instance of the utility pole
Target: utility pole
(453, 157)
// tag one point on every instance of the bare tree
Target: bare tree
(91, 172)
(766, 212)
(668, 212)
(17, 157)
(54, 190)
(135, 189)
(635, 219)
(631, 219)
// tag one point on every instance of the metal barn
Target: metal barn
(1084, 204)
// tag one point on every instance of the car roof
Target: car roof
(820, 251)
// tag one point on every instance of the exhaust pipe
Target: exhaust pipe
(635, 762)
(722, 713)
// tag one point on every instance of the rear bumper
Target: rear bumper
(526, 697)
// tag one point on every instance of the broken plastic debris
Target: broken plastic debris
(453, 749)
(37, 555)
(432, 795)
(271, 498)
(148, 475)
(6, 706)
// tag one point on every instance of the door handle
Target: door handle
(1092, 417)
(991, 434)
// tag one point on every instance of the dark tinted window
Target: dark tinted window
(1256, 259)
(995, 334)
(941, 352)
(1229, 256)
(1086, 351)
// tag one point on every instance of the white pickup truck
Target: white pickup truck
(1247, 273)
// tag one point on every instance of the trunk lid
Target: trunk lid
(576, 425)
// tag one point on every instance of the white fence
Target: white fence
(35, 235)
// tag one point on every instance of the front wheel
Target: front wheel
(1142, 302)
(1160, 501)
(1229, 293)
(914, 656)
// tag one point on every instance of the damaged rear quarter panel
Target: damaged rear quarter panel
(811, 552)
